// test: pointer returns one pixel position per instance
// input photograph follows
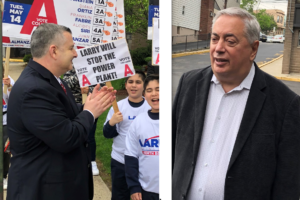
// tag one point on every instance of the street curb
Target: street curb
(189, 53)
(14, 60)
(287, 78)
(262, 65)
(283, 78)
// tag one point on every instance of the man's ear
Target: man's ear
(53, 51)
(254, 47)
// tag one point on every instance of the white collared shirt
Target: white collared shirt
(224, 112)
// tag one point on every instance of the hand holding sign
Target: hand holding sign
(116, 118)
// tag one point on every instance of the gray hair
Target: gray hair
(45, 35)
(252, 27)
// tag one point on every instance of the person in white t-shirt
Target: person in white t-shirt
(9, 82)
(116, 127)
(142, 147)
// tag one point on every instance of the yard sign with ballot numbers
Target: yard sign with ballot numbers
(102, 63)
(91, 21)
(152, 13)
(155, 42)
(119, 22)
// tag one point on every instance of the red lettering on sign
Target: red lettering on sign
(33, 19)
(5, 39)
(3, 102)
(127, 70)
(85, 80)
(157, 59)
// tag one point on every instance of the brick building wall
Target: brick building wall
(291, 58)
(206, 16)
(136, 41)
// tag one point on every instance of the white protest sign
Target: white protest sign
(119, 22)
(155, 42)
(15, 42)
(91, 21)
(102, 63)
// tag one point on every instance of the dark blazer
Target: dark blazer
(48, 135)
(265, 162)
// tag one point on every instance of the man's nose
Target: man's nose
(220, 47)
(75, 53)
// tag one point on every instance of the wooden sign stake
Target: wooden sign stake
(115, 105)
(6, 67)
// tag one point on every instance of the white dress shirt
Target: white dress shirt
(224, 112)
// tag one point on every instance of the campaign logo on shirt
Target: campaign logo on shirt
(150, 146)
(131, 118)
(4, 104)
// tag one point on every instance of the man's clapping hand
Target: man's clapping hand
(100, 100)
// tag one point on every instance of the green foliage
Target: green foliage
(266, 21)
(136, 16)
(148, 59)
(138, 55)
(248, 5)
(119, 84)
(27, 58)
(103, 145)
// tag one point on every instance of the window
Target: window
(183, 7)
(178, 29)
(277, 19)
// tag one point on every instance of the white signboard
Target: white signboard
(119, 22)
(102, 63)
(91, 21)
(155, 42)
(15, 42)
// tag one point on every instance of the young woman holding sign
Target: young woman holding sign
(116, 127)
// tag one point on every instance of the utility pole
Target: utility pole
(225, 4)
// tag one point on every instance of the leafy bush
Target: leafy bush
(148, 59)
(27, 58)
(138, 55)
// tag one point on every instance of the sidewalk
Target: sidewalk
(101, 191)
(274, 68)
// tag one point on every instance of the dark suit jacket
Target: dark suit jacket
(265, 162)
(48, 134)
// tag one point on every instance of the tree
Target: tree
(136, 16)
(265, 20)
(248, 5)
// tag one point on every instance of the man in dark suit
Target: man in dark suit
(236, 129)
(47, 129)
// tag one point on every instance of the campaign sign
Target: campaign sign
(119, 22)
(152, 13)
(15, 42)
(86, 18)
(155, 42)
(102, 63)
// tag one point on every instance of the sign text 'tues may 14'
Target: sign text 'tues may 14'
(91, 21)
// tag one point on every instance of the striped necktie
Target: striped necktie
(63, 87)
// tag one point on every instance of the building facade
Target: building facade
(194, 17)
(279, 19)
(291, 58)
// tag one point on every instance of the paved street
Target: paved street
(266, 52)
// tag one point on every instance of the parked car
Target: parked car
(270, 38)
(278, 38)
(263, 37)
